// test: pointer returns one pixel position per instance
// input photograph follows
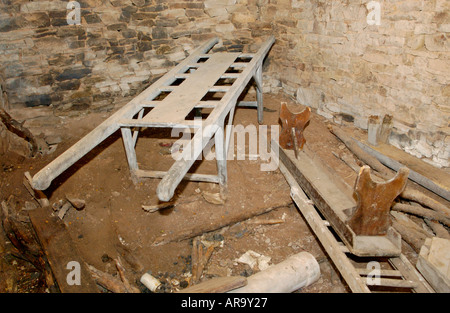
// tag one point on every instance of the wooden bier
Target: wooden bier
(199, 75)
(334, 199)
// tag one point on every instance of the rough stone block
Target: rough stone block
(10, 24)
(36, 100)
(69, 85)
(73, 73)
(159, 33)
(38, 19)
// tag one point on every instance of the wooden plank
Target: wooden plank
(422, 173)
(191, 232)
(434, 263)
(332, 201)
(60, 251)
(388, 273)
(398, 283)
(217, 285)
(143, 123)
(239, 65)
(45, 176)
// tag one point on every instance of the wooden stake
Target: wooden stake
(194, 260)
(385, 130)
(215, 225)
(121, 270)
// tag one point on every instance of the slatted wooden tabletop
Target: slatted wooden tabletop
(169, 102)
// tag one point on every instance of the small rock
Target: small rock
(78, 204)
(218, 237)
(254, 260)
(214, 198)
(53, 139)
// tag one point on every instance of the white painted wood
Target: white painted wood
(128, 143)
(136, 132)
(142, 123)
(221, 158)
(259, 93)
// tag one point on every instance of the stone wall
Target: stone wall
(326, 55)
(329, 57)
(119, 48)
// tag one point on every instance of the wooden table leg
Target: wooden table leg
(221, 158)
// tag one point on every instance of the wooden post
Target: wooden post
(259, 93)
(128, 143)
(373, 129)
(221, 158)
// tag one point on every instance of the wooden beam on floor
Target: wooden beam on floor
(61, 251)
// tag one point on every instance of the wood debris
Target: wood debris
(112, 283)
(200, 258)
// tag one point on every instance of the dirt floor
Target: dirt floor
(114, 223)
